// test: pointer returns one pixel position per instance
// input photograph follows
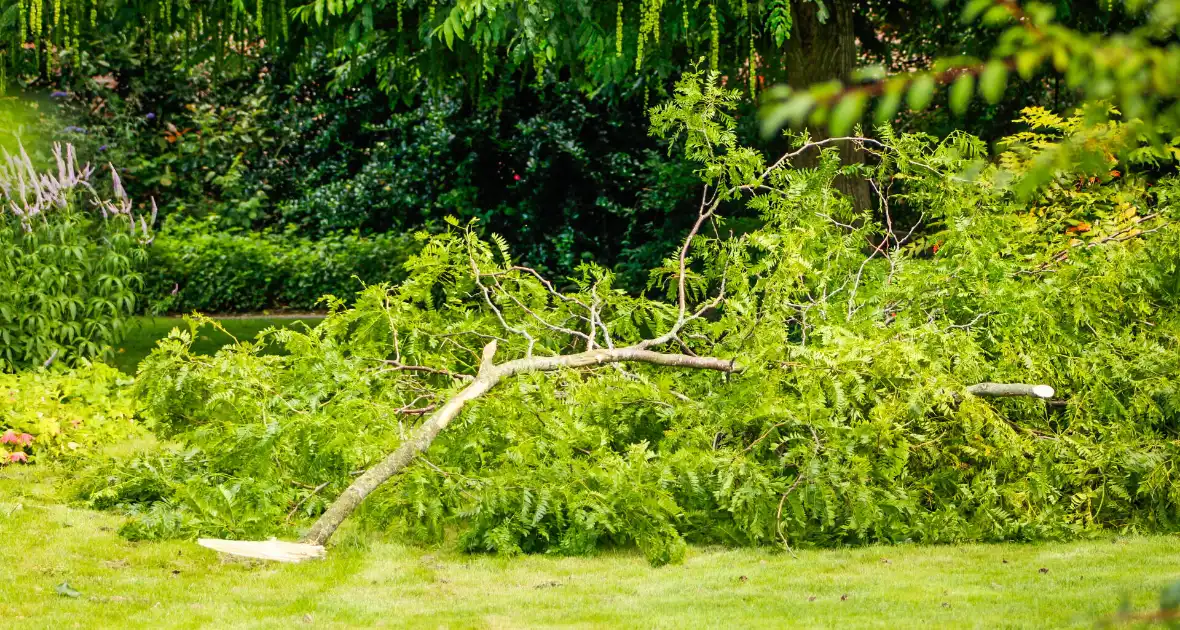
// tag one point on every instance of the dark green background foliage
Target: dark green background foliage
(196, 267)
(567, 178)
(849, 425)
(328, 134)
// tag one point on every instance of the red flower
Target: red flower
(18, 457)
(516, 177)
(9, 437)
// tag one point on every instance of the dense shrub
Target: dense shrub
(70, 261)
(198, 267)
(64, 416)
(566, 178)
(851, 422)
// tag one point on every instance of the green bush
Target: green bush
(70, 262)
(194, 266)
(63, 416)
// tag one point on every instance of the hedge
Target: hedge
(192, 267)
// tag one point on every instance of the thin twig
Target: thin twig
(311, 494)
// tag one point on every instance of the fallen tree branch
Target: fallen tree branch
(1043, 392)
(488, 377)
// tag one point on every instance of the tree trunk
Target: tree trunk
(818, 52)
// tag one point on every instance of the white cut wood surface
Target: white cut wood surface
(272, 549)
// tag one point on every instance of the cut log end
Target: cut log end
(1043, 391)
(276, 550)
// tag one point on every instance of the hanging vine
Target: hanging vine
(398, 39)
(714, 38)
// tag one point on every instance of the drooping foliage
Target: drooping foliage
(602, 46)
(400, 41)
(850, 422)
(71, 259)
(1137, 68)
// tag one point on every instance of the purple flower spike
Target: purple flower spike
(59, 94)
(102, 148)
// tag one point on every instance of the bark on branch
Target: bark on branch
(1011, 390)
(488, 377)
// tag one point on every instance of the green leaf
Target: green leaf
(791, 109)
(961, 92)
(921, 92)
(974, 8)
(1027, 63)
(875, 72)
(998, 14)
(993, 80)
(888, 105)
(846, 113)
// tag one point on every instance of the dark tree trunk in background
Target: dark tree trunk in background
(821, 52)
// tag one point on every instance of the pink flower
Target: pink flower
(25, 439)
(18, 457)
(9, 437)
(516, 177)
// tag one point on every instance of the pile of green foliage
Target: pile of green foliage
(70, 261)
(196, 266)
(65, 416)
(849, 423)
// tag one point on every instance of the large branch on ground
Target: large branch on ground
(488, 377)
(1010, 390)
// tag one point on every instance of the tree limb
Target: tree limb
(1043, 392)
(488, 377)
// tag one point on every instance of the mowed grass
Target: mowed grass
(146, 331)
(372, 582)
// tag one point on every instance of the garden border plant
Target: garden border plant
(70, 261)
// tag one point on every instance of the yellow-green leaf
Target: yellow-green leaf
(921, 92)
(961, 91)
(847, 112)
(993, 80)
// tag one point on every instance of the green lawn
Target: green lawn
(375, 582)
(146, 331)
